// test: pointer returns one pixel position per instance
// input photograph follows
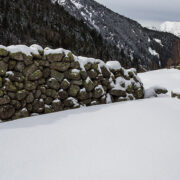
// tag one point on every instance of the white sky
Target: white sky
(148, 13)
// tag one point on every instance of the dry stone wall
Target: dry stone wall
(36, 81)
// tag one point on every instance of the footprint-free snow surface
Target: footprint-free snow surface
(137, 140)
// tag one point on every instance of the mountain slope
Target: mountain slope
(41, 22)
(86, 28)
(127, 35)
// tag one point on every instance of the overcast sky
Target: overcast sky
(147, 12)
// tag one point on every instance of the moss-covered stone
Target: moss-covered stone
(3, 68)
(53, 83)
(71, 102)
(46, 73)
(29, 85)
(19, 56)
(73, 90)
(21, 114)
(161, 91)
(95, 66)
(70, 56)
(129, 89)
(3, 52)
(30, 98)
(16, 104)
(98, 92)
(51, 93)
(63, 94)
(44, 63)
(86, 102)
(37, 94)
(65, 84)
(21, 94)
(12, 64)
(36, 75)
(73, 74)
(1, 93)
(6, 112)
(48, 100)
(139, 93)
(118, 93)
(19, 85)
(48, 109)
(4, 100)
(60, 66)
(92, 74)
(131, 74)
(89, 85)
(56, 105)
(38, 106)
(12, 95)
(106, 73)
(75, 65)
(83, 95)
(55, 57)
(130, 97)
(29, 70)
(84, 75)
(88, 66)
(77, 82)
(9, 86)
(57, 75)
(20, 66)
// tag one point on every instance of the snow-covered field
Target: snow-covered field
(137, 140)
(167, 78)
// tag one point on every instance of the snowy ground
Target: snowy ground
(167, 78)
(136, 140)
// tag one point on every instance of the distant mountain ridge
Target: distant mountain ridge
(126, 34)
(171, 27)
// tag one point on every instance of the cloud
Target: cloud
(156, 11)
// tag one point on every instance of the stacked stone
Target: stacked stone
(36, 81)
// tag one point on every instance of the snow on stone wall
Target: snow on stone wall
(36, 81)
